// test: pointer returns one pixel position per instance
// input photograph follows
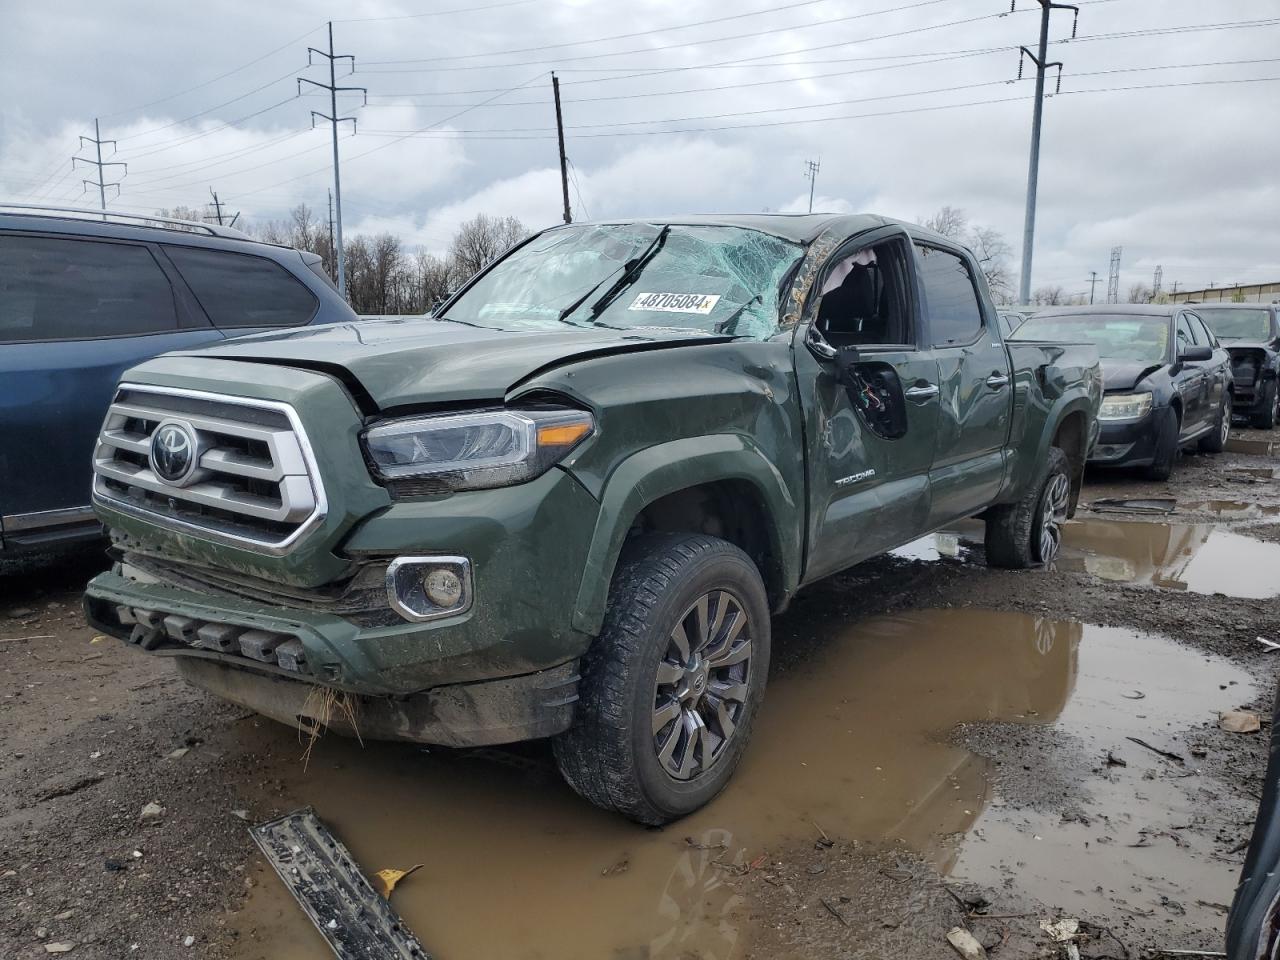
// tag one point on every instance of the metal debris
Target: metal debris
(333, 891)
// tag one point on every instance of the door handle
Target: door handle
(997, 380)
(921, 393)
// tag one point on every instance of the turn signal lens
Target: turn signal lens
(563, 435)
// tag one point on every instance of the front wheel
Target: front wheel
(1029, 532)
(671, 687)
(1166, 454)
(1216, 441)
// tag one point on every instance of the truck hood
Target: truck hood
(406, 361)
(1125, 374)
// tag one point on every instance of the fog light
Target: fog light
(444, 589)
(427, 588)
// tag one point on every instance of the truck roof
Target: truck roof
(799, 227)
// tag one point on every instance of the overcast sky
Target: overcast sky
(681, 116)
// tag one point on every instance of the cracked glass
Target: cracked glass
(639, 276)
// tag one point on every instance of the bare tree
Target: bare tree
(1140, 293)
(481, 239)
(987, 243)
(950, 222)
(992, 251)
(1048, 296)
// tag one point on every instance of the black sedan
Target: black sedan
(1251, 334)
(1167, 380)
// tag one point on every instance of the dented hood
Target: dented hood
(416, 360)
(1125, 374)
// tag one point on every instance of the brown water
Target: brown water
(851, 740)
(1198, 557)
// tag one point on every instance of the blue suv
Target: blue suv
(86, 294)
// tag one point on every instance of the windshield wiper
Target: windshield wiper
(564, 314)
(727, 325)
(631, 273)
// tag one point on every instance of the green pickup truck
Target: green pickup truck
(567, 504)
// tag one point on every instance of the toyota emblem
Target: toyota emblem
(173, 452)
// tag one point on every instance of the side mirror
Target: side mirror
(1195, 354)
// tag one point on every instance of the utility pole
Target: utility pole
(1113, 279)
(564, 161)
(1093, 282)
(1033, 167)
(331, 257)
(1155, 283)
(217, 206)
(811, 174)
(97, 142)
(334, 120)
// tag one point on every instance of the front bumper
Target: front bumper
(1126, 443)
(528, 546)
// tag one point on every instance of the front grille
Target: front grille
(254, 482)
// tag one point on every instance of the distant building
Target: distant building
(1245, 292)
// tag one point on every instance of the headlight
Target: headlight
(474, 451)
(1125, 406)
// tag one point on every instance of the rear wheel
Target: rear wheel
(1029, 532)
(671, 687)
(1166, 446)
(1266, 420)
(1216, 441)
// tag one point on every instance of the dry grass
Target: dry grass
(320, 707)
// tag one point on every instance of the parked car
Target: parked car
(1011, 320)
(568, 504)
(1168, 380)
(1251, 334)
(83, 296)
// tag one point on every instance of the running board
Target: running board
(333, 891)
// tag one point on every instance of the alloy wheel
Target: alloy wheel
(1053, 514)
(700, 691)
(1226, 417)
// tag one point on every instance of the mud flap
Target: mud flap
(333, 891)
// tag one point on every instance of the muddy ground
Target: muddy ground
(943, 745)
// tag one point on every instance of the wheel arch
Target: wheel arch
(720, 485)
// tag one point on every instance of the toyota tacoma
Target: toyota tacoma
(567, 504)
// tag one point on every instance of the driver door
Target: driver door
(868, 488)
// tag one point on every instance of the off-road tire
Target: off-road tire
(608, 755)
(1013, 528)
(1216, 440)
(1166, 454)
(1266, 420)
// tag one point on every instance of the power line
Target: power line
(726, 39)
(484, 135)
(646, 33)
(438, 13)
(221, 76)
(225, 103)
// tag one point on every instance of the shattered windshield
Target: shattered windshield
(1233, 324)
(715, 279)
(1117, 336)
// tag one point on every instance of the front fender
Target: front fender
(667, 468)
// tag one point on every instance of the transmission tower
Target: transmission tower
(1155, 283)
(1113, 280)
(334, 120)
(100, 164)
(811, 174)
(1041, 60)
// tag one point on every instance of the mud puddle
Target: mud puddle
(1197, 557)
(852, 742)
